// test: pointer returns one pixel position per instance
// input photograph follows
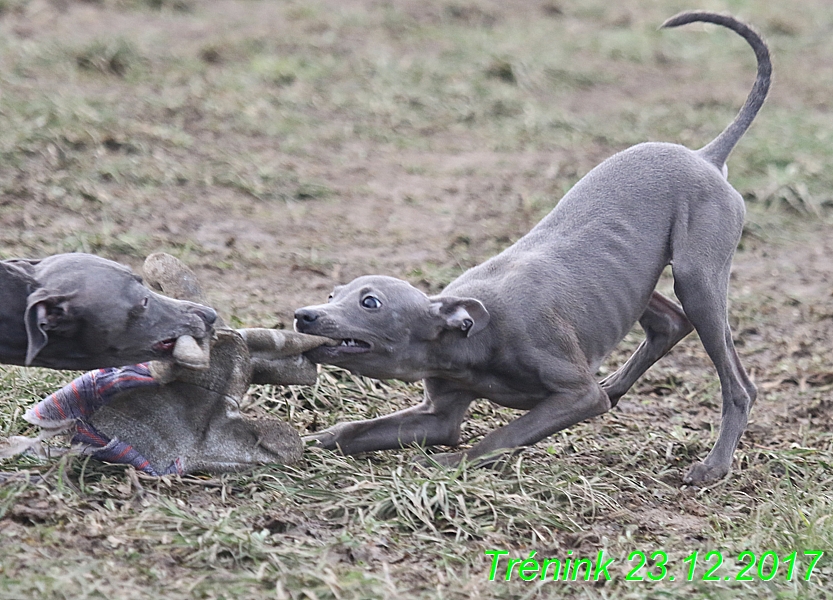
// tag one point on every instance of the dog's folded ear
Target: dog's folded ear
(44, 312)
(465, 314)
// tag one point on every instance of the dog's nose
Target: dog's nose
(306, 316)
(208, 315)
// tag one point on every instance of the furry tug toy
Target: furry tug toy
(164, 418)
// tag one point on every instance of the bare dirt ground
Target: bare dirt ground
(281, 148)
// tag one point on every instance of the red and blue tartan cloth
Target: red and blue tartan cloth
(74, 404)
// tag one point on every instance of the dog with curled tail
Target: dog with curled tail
(529, 328)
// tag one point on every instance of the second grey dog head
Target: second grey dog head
(388, 328)
(88, 312)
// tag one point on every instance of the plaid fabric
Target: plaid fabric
(77, 401)
(82, 397)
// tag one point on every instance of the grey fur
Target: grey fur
(528, 328)
(194, 417)
(79, 311)
(273, 356)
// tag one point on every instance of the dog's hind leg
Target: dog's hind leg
(664, 324)
(702, 289)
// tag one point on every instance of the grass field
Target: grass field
(282, 147)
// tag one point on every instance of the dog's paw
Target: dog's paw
(498, 460)
(323, 439)
(443, 459)
(702, 474)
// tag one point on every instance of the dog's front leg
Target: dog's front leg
(557, 412)
(435, 420)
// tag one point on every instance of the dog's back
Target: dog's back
(528, 328)
(596, 258)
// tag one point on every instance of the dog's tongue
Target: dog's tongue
(188, 353)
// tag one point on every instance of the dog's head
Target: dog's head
(86, 312)
(388, 329)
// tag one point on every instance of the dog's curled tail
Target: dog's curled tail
(718, 150)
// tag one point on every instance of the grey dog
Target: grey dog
(529, 328)
(79, 311)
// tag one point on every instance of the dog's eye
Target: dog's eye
(330, 298)
(371, 302)
(145, 301)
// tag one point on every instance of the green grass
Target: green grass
(384, 526)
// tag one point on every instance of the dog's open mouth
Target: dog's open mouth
(353, 344)
(186, 351)
(165, 346)
(347, 346)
